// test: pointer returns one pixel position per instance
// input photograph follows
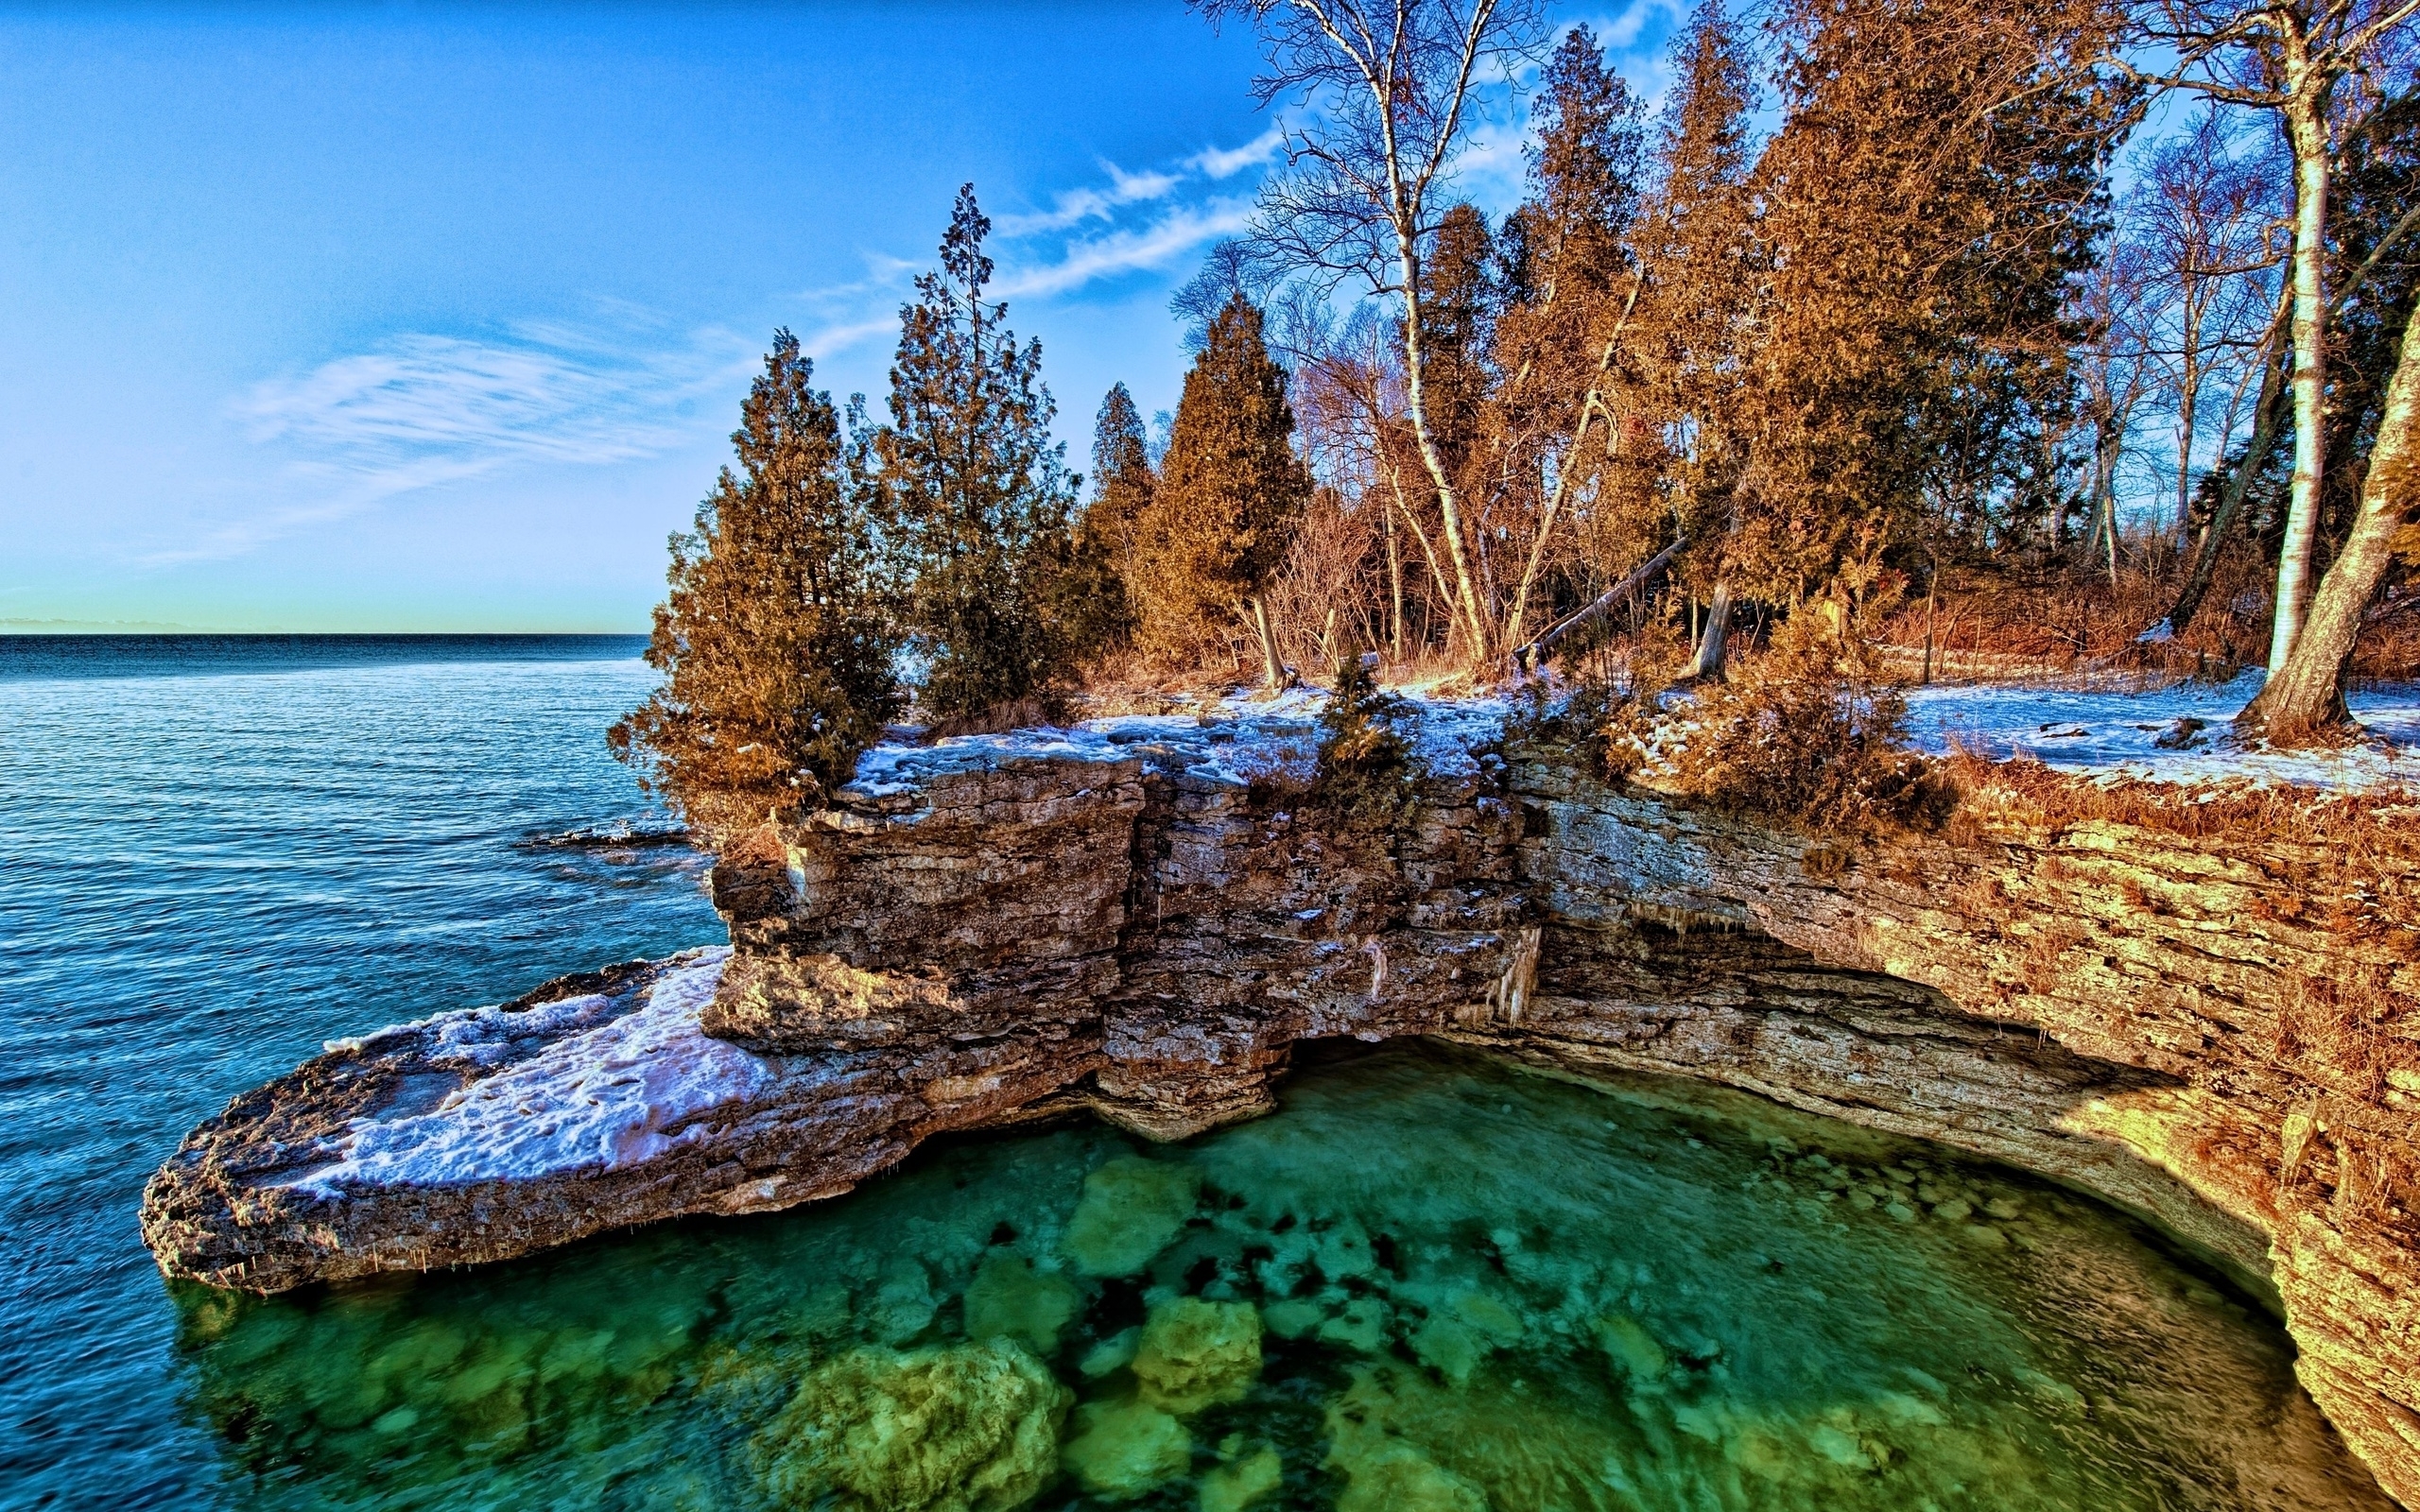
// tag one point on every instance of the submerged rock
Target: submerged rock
(1124, 1449)
(1196, 1354)
(1131, 1209)
(1235, 1486)
(974, 1429)
(1008, 1299)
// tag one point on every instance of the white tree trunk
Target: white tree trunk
(2306, 131)
(1711, 644)
(1415, 363)
(1273, 670)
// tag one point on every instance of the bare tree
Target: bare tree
(2114, 369)
(1357, 200)
(2202, 224)
(2292, 58)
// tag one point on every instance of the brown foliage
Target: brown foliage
(1802, 733)
(1229, 493)
(775, 638)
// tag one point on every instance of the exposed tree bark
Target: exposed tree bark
(1712, 644)
(1273, 670)
(2306, 114)
(1529, 656)
(2303, 702)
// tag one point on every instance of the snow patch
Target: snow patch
(2178, 733)
(608, 1093)
(1229, 742)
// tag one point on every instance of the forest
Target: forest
(1902, 340)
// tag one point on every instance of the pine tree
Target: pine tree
(1229, 492)
(1122, 478)
(1583, 180)
(1937, 185)
(981, 491)
(776, 637)
(1458, 329)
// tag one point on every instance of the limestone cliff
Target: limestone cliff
(1141, 918)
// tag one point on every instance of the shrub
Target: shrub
(1364, 772)
(1802, 733)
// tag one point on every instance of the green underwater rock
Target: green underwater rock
(1196, 1354)
(1634, 1352)
(1124, 1449)
(1131, 1208)
(1008, 1299)
(969, 1428)
(1233, 1487)
(1428, 1281)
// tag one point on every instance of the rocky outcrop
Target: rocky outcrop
(2244, 977)
(1140, 918)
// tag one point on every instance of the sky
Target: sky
(415, 318)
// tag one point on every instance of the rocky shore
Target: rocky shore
(1138, 918)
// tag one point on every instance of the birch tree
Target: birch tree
(2303, 702)
(1359, 197)
(2291, 57)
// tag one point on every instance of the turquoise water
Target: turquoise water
(1428, 1281)
(215, 854)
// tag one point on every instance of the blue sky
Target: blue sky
(417, 318)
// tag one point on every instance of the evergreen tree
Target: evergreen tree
(1564, 242)
(1122, 478)
(1230, 491)
(1671, 331)
(980, 492)
(1921, 252)
(1458, 328)
(776, 638)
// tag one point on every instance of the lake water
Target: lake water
(216, 852)
(1429, 1281)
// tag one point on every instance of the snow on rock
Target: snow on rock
(2177, 734)
(1450, 732)
(601, 1092)
(1227, 742)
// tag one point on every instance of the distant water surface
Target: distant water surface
(216, 852)
(1429, 1281)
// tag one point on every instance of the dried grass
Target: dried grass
(2056, 623)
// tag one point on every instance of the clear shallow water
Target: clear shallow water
(1429, 1281)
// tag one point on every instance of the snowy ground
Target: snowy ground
(2126, 732)
(2150, 733)
(1228, 740)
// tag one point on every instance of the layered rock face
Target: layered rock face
(1164, 909)
(2243, 1022)
(1140, 918)
(1134, 922)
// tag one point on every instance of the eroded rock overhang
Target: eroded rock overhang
(1140, 917)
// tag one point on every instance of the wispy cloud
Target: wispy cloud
(1226, 162)
(1151, 246)
(552, 392)
(1092, 203)
(420, 411)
